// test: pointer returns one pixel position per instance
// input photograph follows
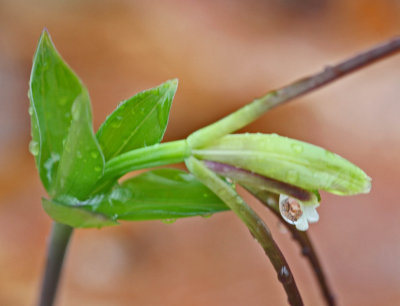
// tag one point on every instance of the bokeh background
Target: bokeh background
(225, 53)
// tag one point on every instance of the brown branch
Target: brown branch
(255, 109)
(258, 229)
(332, 73)
(266, 190)
(302, 238)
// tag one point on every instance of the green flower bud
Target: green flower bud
(290, 161)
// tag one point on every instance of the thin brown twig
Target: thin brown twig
(258, 229)
(255, 109)
(307, 248)
(257, 185)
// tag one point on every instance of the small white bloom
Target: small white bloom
(295, 212)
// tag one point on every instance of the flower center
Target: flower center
(291, 209)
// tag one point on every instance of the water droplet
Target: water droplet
(116, 122)
(75, 112)
(94, 154)
(97, 169)
(168, 221)
(62, 101)
(34, 148)
(79, 154)
(206, 216)
(284, 275)
(30, 110)
(297, 148)
(205, 195)
(292, 176)
(329, 154)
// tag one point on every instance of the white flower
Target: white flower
(295, 212)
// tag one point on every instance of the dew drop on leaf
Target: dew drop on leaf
(75, 111)
(292, 176)
(329, 154)
(168, 221)
(34, 148)
(62, 101)
(30, 110)
(94, 154)
(97, 169)
(117, 122)
(297, 148)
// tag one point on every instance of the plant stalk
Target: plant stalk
(57, 247)
(258, 107)
(258, 229)
(266, 191)
(304, 241)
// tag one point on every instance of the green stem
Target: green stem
(258, 107)
(257, 227)
(59, 238)
(147, 157)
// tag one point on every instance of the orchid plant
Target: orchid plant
(81, 169)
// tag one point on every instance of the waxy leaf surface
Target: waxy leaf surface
(82, 162)
(75, 216)
(137, 122)
(158, 194)
(54, 89)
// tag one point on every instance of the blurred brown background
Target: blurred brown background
(224, 53)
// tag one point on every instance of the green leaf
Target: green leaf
(158, 194)
(74, 215)
(82, 162)
(53, 88)
(137, 122)
(290, 161)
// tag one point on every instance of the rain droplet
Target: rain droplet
(297, 148)
(168, 221)
(94, 154)
(205, 195)
(34, 148)
(62, 101)
(79, 154)
(97, 169)
(117, 122)
(284, 275)
(30, 110)
(329, 154)
(292, 176)
(75, 111)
